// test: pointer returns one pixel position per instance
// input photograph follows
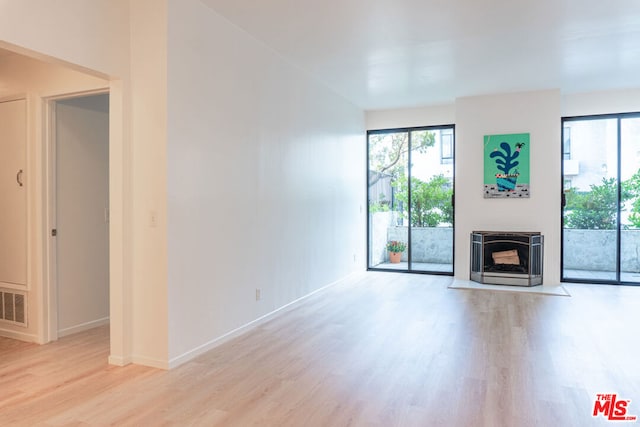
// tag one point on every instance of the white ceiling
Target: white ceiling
(402, 53)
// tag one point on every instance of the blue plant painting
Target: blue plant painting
(505, 161)
(506, 166)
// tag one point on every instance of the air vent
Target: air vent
(13, 308)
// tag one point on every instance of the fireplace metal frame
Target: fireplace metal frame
(535, 243)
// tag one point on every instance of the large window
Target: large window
(601, 212)
(410, 193)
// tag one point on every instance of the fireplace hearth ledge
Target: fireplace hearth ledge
(547, 289)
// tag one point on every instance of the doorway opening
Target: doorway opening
(78, 213)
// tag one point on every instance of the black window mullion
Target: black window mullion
(619, 187)
(409, 142)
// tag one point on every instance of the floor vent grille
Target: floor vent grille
(13, 308)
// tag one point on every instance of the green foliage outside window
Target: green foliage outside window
(632, 188)
(430, 201)
(597, 209)
(382, 205)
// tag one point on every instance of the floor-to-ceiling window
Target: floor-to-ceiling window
(601, 207)
(410, 199)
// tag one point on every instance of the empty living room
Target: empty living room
(392, 213)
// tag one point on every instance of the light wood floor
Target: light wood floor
(383, 349)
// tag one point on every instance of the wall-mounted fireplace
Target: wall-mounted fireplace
(507, 258)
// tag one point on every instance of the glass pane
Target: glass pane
(590, 216)
(431, 209)
(388, 170)
(630, 215)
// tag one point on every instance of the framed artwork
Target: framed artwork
(506, 166)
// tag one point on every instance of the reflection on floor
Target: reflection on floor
(569, 274)
(417, 266)
(600, 275)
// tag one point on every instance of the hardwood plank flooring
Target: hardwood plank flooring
(380, 349)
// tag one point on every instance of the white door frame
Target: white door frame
(50, 284)
(27, 285)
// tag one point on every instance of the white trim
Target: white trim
(191, 354)
(49, 271)
(83, 327)
(50, 330)
(29, 179)
(120, 225)
(15, 97)
(59, 96)
(21, 336)
(152, 363)
(14, 286)
(33, 183)
(119, 361)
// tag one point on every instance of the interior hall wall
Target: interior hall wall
(265, 181)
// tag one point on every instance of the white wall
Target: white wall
(603, 102)
(265, 180)
(125, 42)
(411, 117)
(90, 35)
(149, 135)
(537, 113)
(21, 74)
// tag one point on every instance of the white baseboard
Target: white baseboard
(138, 360)
(119, 361)
(20, 336)
(179, 360)
(152, 363)
(83, 327)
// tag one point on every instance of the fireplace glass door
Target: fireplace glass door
(601, 200)
(410, 192)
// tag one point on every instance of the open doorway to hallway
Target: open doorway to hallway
(80, 193)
